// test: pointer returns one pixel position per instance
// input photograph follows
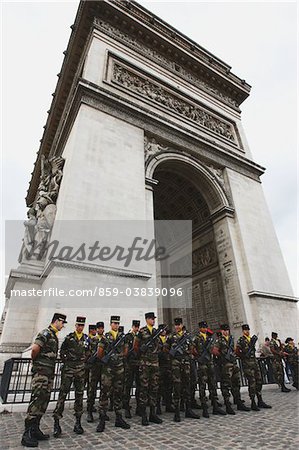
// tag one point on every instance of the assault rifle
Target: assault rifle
(206, 354)
(149, 344)
(251, 348)
(230, 352)
(112, 351)
(178, 348)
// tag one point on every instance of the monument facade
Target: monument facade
(145, 124)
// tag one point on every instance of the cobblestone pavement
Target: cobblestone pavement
(276, 428)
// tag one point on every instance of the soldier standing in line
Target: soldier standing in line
(111, 351)
(245, 350)
(223, 350)
(131, 371)
(92, 335)
(278, 354)
(202, 351)
(95, 370)
(43, 354)
(180, 349)
(292, 358)
(147, 344)
(73, 355)
(165, 377)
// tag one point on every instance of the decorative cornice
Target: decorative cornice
(270, 295)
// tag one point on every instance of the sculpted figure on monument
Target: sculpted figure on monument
(151, 147)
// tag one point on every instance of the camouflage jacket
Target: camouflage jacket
(242, 349)
(107, 342)
(164, 356)
(292, 352)
(151, 352)
(185, 350)
(276, 349)
(93, 342)
(203, 347)
(226, 350)
(132, 358)
(73, 351)
(48, 343)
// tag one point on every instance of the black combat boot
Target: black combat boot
(101, 424)
(120, 422)
(78, 427)
(144, 420)
(158, 408)
(153, 416)
(28, 439)
(177, 417)
(89, 417)
(189, 413)
(241, 406)
(284, 388)
(57, 428)
(37, 432)
(217, 410)
(261, 403)
(205, 412)
(254, 406)
(228, 408)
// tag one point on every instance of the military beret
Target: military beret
(289, 339)
(100, 325)
(178, 321)
(245, 326)
(58, 316)
(203, 324)
(92, 327)
(80, 320)
(150, 315)
(274, 334)
(135, 323)
(115, 319)
(224, 326)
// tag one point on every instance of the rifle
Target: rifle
(230, 352)
(206, 354)
(111, 352)
(178, 349)
(251, 348)
(149, 344)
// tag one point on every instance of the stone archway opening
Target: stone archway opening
(181, 194)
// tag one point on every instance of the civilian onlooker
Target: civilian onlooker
(267, 355)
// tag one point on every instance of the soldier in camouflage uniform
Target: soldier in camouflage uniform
(43, 354)
(292, 359)
(223, 350)
(92, 333)
(165, 377)
(147, 344)
(278, 354)
(202, 346)
(245, 350)
(180, 349)
(131, 371)
(111, 350)
(95, 370)
(73, 355)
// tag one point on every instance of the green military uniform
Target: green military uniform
(292, 359)
(245, 349)
(276, 349)
(88, 355)
(229, 371)
(43, 370)
(95, 374)
(73, 355)
(131, 372)
(165, 377)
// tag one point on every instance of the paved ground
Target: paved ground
(274, 429)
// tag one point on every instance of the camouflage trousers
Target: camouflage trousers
(149, 382)
(95, 375)
(206, 376)
(41, 387)
(181, 381)
(253, 375)
(230, 381)
(165, 383)
(278, 371)
(112, 383)
(71, 375)
(131, 376)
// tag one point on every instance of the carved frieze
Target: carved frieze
(209, 86)
(141, 85)
(204, 257)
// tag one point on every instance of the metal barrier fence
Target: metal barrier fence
(15, 384)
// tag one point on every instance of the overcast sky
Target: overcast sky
(258, 39)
